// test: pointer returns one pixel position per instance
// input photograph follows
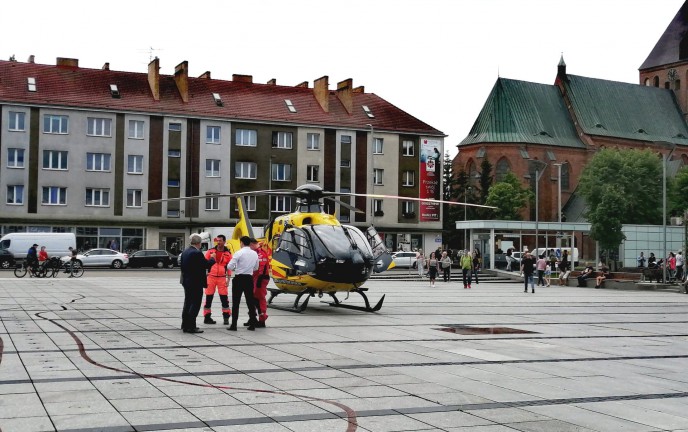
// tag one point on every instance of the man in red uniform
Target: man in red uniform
(218, 278)
(261, 277)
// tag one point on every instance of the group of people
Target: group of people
(543, 266)
(211, 272)
(35, 258)
(674, 264)
(442, 262)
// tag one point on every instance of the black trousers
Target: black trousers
(243, 284)
(192, 305)
(446, 274)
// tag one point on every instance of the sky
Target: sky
(435, 59)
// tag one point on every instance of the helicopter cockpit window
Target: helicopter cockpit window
(360, 239)
(375, 242)
(333, 241)
(295, 241)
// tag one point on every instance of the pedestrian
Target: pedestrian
(261, 278)
(476, 264)
(420, 263)
(679, 265)
(194, 267)
(466, 264)
(433, 269)
(541, 267)
(641, 260)
(548, 275)
(671, 269)
(218, 280)
(509, 259)
(527, 269)
(445, 264)
(243, 264)
(564, 269)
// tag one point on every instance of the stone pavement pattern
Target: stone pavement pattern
(598, 360)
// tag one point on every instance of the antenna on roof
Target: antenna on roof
(151, 52)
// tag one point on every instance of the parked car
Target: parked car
(157, 258)
(405, 259)
(101, 258)
(6, 259)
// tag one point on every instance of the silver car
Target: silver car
(101, 258)
(405, 259)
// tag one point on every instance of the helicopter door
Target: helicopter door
(295, 251)
(383, 258)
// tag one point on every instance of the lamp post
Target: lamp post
(539, 170)
(372, 176)
(465, 214)
(665, 160)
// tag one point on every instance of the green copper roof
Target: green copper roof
(623, 110)
(524, 112)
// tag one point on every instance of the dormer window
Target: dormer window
(290, 106)
(31, 82)
(114, 91)
(218, 99)
(368, 112)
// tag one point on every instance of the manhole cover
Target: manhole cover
(467, 330)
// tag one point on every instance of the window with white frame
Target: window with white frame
(245, 170)
(134, 198)
(212, 202)
(212, 135)
(99, 127)
(378, 174)
(15, 194)
(54, 159)
(17, 121)
(173, 183)
(174, 213)
(15, 158)
(377, 205)
(212, 167)
(281, 172)
(408, 178)
(97, 197)
(98, 161)
(281, 140)
(246, 137)
(174, 153)
(313, 141)
(377, 146)
(136, 129)
(282, 204)
(345, 163)
(135, 164)
(408, 207)
(54, 195)
(249, 203)
(344, 218)
(407, 148)
(55, 124)
(175, 127)
(345, 139)
(312, 173)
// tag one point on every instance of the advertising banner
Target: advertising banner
(430, 178)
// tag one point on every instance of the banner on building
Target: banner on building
(430, 178)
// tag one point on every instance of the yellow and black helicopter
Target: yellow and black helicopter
(311, 252)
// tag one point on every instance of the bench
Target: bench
(614, 280)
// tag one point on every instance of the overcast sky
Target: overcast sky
(436, 59)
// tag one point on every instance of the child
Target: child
(548, 275)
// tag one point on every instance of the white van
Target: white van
(56, 244)
(573, 259)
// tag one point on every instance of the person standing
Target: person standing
(541, 267)
(218, 279)
(477, 260)
(564, 269)
(243, 264)
(261, 278)
(445, 264)
(680, 260)
(420, 263)
(527, 268)
(193, 266)
(466, 263)
(509, 252)
(433, 269)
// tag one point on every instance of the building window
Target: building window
(174, 153)
(481, 152)
(550, 155)
(175, 127)
(173, 213)
(212, 167)
(53, 195)
(313, 141)
(378, 146)
(282, 204)
(345, 139)
(377, 207)
(212, 203)
(345, 163)
(212, 135)
(502, 169)
(134, 197)
(281, 172)
(281, 140)
(565, 177)
(97, 161)
(15, 194)
(135, 164)
(246, 137)
(312, 173)
(173, 183)
(245, 170)
(407, 148)
(53, 159)
(249, 203)
(17, 121)
(15, 158)
(408, 178)
(136, 129)
(55, 124)
(378, 176)
(99, 127)
(97, 197)
(408, 208)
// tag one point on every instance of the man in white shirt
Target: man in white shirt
(680, 260)
(243, 263)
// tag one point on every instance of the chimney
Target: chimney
(359, 89)
(302, 85)
(345, 94)
(154, 78)
(106, 66)
(242, 78)
(67, 62)
(272, 82)
(32, 59)
(205, 75)
(322, 92)
(181, 78)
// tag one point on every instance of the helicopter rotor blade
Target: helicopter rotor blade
(428, 200)
(343, 204)
(286, 192)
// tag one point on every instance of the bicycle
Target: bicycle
(35, 271)
(74, 268)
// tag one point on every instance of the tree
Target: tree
(677, 193)
(509, 196)
(621, 186)
(485, 182)
(450, 236)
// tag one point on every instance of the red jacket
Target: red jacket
(221, 260)
(263, 264)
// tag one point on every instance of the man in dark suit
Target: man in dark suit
(194, 267)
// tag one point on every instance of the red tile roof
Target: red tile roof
(90, 88)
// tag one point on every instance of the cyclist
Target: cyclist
(32, 258)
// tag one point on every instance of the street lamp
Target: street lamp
(665, 160)
(539, 167)
(372, 176)
(465, 215)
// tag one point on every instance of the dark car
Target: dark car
(6, 259)
(157, 258)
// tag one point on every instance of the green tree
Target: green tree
(509, 196)
(677, 193)
(450, 236)
(484, 184)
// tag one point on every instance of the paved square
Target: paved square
(105, 353)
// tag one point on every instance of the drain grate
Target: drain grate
(467, 330)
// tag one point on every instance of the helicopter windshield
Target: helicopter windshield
(294, 241)
(335, 242)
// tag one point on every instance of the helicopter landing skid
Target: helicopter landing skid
(361, 291)
(296, 307)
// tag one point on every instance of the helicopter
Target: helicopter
(311, 252)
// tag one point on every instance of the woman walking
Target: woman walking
(433, 269)
(420, 263)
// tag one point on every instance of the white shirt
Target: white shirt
(244, 262)
(679, 260)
